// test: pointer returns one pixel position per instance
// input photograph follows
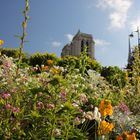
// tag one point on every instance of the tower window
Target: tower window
(87, 44)
(82, 45)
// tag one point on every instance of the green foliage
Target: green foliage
(10, 52)
(68, 61)
(114, 76)
(94, 65)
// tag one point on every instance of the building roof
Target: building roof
(82, 34)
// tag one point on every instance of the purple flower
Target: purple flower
(123, 107)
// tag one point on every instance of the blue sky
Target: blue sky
(53, 23)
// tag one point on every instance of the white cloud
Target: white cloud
(134, 24)
(99, 42)
(69, 37)
(118, 11)
(56, 44)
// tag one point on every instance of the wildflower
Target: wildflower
(105, 108)
(35, 68)
(77, 121)
(63, 95)
(119, 137)
(55, 70)
(57, 132)
(1, 42)
(40, 105)
(123, 107)
(15, 109)
(7, 62)
(49, 62)
(14, 129)
(6, 95)
(97, 115)
(81, 111)
(89, 115)
(105, 127)
(39, 94)
(75, 105)
(44, 68)
(50, 106)
(129, 136)
(8, 106)
(83, 98)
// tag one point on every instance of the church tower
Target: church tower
(79, 41)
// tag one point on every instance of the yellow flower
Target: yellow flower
(105, 127)
(129, 136)
(55, 70)
(49, 62)
(105, 108)
(1, 42)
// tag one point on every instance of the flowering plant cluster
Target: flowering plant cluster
(117, 122)
(57, 104)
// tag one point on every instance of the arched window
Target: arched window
(87, 44)
(82, 45)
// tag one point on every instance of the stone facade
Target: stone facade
(79, 41)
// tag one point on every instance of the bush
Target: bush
(14, 53)
(41, 59)
(114, 76)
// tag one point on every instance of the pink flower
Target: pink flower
(124, 108)
(40, 105)
(50, 106)
(15, 109)
(81, 111)
(6, 95)
(63, 95)
(8, 106)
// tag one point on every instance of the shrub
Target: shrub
(114, 76)
(42, 59)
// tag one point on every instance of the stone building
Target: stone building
(79, 41)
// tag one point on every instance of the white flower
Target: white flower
(89, 115)
(57, 132)
(97, 115)
(83, 98)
